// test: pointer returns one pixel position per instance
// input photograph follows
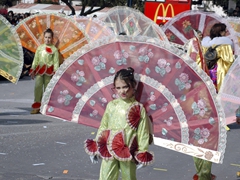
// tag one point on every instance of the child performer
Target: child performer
(45, 64)
(123, 137)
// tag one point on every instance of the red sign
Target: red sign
(162, 12)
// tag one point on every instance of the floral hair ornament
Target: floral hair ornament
(49, 50)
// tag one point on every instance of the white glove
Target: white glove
(140, 165)
(94, 159)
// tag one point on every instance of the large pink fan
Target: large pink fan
(93, 27)
(229, 93)
(180, 28)
(178, 96)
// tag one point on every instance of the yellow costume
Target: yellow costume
(225, 54)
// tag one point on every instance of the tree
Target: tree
(69, 4)
(8, 3)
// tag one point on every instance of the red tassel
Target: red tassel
(36, 105)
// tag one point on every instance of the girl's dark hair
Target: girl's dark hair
(217, 29)
(127, 75)
(48, 30)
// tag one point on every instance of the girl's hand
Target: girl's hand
(32, 76)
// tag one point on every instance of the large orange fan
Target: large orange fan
(68, 36)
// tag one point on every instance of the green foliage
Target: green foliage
(46, 2)
(8, 3)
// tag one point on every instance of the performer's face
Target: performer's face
(48, 38)
(124, 91)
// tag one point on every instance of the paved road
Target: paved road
(36, 147)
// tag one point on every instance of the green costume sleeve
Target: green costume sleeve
(104, 121)
(55, 60)
(143, 132)
(36, 59)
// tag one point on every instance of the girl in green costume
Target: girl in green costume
(45, 64)
(123, 137)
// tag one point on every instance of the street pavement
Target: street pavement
(37, 147)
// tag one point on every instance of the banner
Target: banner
(160, 13)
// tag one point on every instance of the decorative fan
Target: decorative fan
(229, 93)
(93, 27)
(178, 96)
(11, 52)
(235, 23)
(122, 19)
(180, 28)
(68, 36)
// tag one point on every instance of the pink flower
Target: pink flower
(168, 69)
(164, 109)
(152, 98)
(143, 51)
(117, 54)
(95, 112)
(131, 23)
(125, 54)
(81, 73)
(208, 155)
(183, 77)
(104, 100)
(95, 61)
(74, 77)
(169, 123)
(61, 99)
(201, 104)
(65, 92)
(103, 59)
(205, 133)
(200, 141)
(150, 54)
(162, 63)
(202, 113)
(188, 85)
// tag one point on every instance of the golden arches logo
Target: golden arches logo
(164, 10)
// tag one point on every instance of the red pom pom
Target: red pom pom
(102, 145)
(36, 105)
(144, 157)
(133, 145)
(118, 147)
(90, 147)
(134, 115)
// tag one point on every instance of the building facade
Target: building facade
(37, 1)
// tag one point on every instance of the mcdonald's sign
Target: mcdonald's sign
(164, 11)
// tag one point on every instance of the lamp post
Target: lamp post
(129, 3)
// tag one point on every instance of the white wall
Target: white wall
(74, 3)
(27, 1)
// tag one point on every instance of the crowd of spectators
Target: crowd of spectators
(15, 18)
